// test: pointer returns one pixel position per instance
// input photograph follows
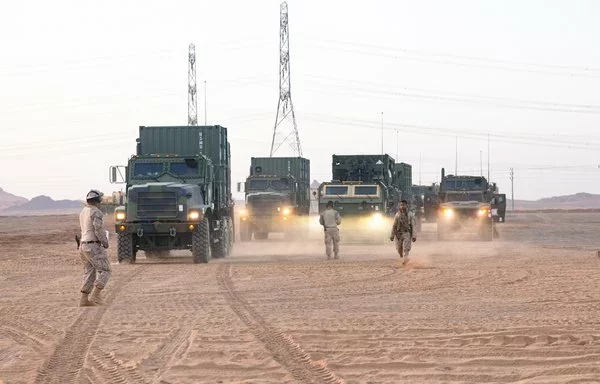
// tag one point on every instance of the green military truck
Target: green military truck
(465, 206)
(364, 190)
(178, 188)
(277, 194)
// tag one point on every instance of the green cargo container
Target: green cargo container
(403, 177)
(297, 167)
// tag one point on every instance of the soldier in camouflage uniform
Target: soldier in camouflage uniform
(330, 219)
(403, 231)
(92, 251)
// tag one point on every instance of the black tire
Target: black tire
(261, 235)
(125, 249)
(487, 232)
(441, 234)
(245, 232)
(201, 252)
(222, 248)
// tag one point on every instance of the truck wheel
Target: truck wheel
(441, 235)
(125, 250)
(223, 247)
(201, 242)
(245, 233)
(261, 235)
(487, 232)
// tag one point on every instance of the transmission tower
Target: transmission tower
(285, 130)
(192, 101)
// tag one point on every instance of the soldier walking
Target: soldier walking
(403, 231)
(92, 250)
(330, 219)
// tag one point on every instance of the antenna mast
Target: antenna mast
(192, 101)
(285, 107)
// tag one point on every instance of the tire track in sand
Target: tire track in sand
(283, 348)
(68, 358)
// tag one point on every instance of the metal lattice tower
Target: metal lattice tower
(192, 100)
(285, 130)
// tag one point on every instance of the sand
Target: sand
(524, 308)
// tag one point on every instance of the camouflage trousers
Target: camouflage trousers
(332, 238)
(403, 244)
(96, 268)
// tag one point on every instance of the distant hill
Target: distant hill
(577, 201)
(44, 203)
(8, 200)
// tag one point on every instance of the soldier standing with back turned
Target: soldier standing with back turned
(403, 231)
(330, 219)
(92, 251)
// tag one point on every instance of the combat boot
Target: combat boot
(85, 302)
(95, 298)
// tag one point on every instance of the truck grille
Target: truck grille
(264, 207)
(156, 204)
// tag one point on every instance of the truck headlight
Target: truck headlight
(483, 212)
(194, 215)
(286, 211)
(243, 212)
(120, 216)
(376, 220)
(448, 213)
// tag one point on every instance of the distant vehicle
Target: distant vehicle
(465, 205)
(277, 198)
(178, 194)
(364, 189)
(427, 197)
(499, 207)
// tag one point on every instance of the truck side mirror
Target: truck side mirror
(239, 186)
(315, 193)
(117, 174)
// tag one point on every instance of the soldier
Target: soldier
(330, 219)
(403, 231)
(92, 251)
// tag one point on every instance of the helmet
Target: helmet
(94, 194)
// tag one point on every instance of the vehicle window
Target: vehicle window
(365, 190)
(336, 190)
(258, 184)
(280, 184)
(182, 169)
(152, 170)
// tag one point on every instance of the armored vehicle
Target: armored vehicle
(178, 194)
(427, 200)
(465, 205)
(277, 194)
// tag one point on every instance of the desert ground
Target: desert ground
(524, 308)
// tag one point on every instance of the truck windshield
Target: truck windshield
(363, 190)
(259, 185)
(334, 190)
(183, 169)
(143, 170)
(280, 184)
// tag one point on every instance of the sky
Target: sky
(476, 87)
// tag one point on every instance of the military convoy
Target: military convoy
(277, 195)
(465, 205)
(178, 194)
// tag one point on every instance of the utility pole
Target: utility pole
(285, 107)
(192, 101)
(488, 162)
(481, 163)
(420, 168)
(512, 189)
(205, 102)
